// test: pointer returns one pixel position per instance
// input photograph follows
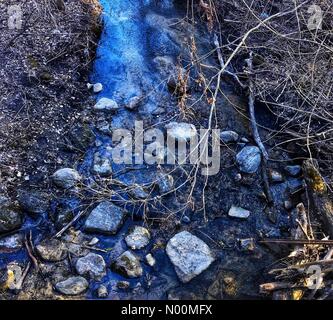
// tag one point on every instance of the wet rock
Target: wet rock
(123, 284)
(150, 260)
(11, 243)
(137, 191)
(52, 250)
(33, 201)
(189, 255)
(229, 136)
(72, 286)
(106, 104)
(102, 165)
(238, 212)
(9, 220)
(102, 292)
(128, 265)
(249, 159)
(81, 137)
(137, 238)
(165, 182)
(93, 241)
(275, 176)
(106, 218)
(134, 103)
(181, 130)
(92, 265)
(66, 178)
(293, 171)
(97, 87)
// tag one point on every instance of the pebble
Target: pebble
(97, 87)
(186, 219)
(128, 265)
(294, 170)
(102, 165)
(92, 265)
(137, 191)
(106, 104)
(249, 159)
(288, 204)
(11, 243)
(123, 284)
(66, 178)
(137, 238)
(72, 286)
(275, 176)
(134, 103)
(164, 182)
(150, 260)
(52, 250)
(247, 244)
(238, 212)
(229, 136)
(102, 292)
(10, 219)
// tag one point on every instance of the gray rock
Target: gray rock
(11, 243)
(92, 265)
(97, 87)
(150, 259)
(102, 292)
(10, 219)
(102, 165)
(229, 136)
(165, 182)
(247, 244)
(238, 212)
(33, 201)
(186, 219)
(133, 103)
(66, 178)
(106, 218)
(275, 176)
(72, 286)
(137, 191)
(128, 265)
(181, 130)
(106, 104)
(52, 250)
(189, 255)
(293, 171)
(137, 238)
(249, 159)
(123, 284)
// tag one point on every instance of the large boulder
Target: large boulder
(66, 178)
(106, 218)
(189, 255)
(249, 159)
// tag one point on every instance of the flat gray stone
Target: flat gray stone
(189, 255)
(72, 286)
(106, 218)
(92, 265)
(66, 178)
(106, 104)
(249, 159)
(238, 212)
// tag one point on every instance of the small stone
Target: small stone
(165, 182)
(97, 87)
(106, 218)
(138, 238)
(11, 243)
(10, 219)
(293, 171)
(102, 292)
(72, 286)
(288, 205)
(137, 191)
(275, 176)
(249, 159)
(33, 201)
(229, 136)
(123, 284)
(189, 255)
(238, 212)
(244, 140)
(89, 85)
(106, 104)
(186, 219)
(66, 178)
(247, 244)
(92, 265)
(102, 165)
(93, 241)
(128, 265)
(238, 177)
(134, 103)
(181, 130)
(52, 250)
(150, 260)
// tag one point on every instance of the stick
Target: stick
(77, 217)
(298, 242)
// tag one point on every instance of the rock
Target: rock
(93, 241)
(133, 103)
(158, 111)
(123, 284)
(238, 212)
(249, 159)
(247, 244)
(186, 219)
(128, 265)
(106, 104)
(293, 171)
(11, 243)
(66, 178)
(137, 191)
(81, 137)
(229, 136)
(275, 176)
(103, 126)
(150, 259)
(181, 130)
(238, 177)
(288, 205)
(92, 265)
(10, 219)
(102, 292)
(244, 140)
(52, 250)
(64, 211)
(33, 201)
(89, 85)
(165, 182)
(137, 238)
(72, 286)
(106, 218)
(102, 165)
(189, 255)
(97, 87)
